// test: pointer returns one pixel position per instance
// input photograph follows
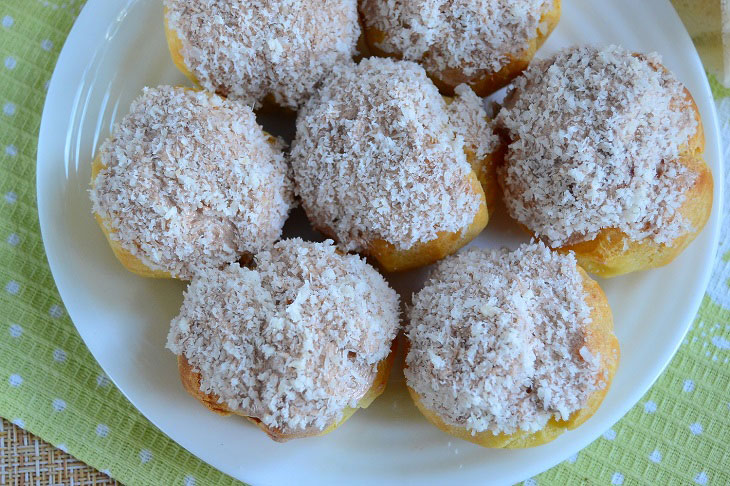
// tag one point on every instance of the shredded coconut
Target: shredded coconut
(376, 157)
(595, 137)
(470, 35)
(468, 116)
(498, 340)
(190, 181)
(293, 341)
(247, 49)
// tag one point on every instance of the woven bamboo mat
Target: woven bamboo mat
(27, 460)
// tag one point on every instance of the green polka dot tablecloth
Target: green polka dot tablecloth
(679, 433)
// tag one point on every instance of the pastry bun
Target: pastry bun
(386, 166)
(615, 173)
(509, 349)
(601, 341)
(191, 381)
(484, 81)
(612, 252)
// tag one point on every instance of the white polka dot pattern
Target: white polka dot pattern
(102, 430)
(15, 330)
(12, 287)
(59, 356)
(145, 456)
(701, 478)
(649, 407)
(9, 108)
(655, 456)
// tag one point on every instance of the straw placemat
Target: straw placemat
(51, 386)
(25, 459)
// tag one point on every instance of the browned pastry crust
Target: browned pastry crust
(612, 252)
(129, 261)
(483, 82)
(191, 382)
(600, 341)
(391, 259)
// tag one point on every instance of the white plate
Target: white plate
(116, 48)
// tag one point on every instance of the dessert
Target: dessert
(188, 180)
(296, 344)
(509, 349)
(380, 163)
(605, 159)
(254, 50)
(483, 43)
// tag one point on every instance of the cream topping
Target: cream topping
(469, 35)
(596, 135)
(293, 341)
(376, 157)
(248, 49)
(191, 181)
(498, 340)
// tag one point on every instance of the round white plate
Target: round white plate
(116, 48)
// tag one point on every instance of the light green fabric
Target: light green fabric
(51, 385)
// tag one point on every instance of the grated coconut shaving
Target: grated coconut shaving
(470, 35)
(376, 157)
(190, 181)
(292, 342)
(248, 49)
(595, 137)
(468, 116)
(498, 340)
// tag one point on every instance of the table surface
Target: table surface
(25, 459)
(687, 406)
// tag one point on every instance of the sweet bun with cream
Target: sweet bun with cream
(484, 43)
(188, 180)
(383, 165)
(256, 50)
(509, 349)
(295, 344)
(605, 159)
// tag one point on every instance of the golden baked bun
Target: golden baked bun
(485, 81)
(261, 53)
(484, 166)
(191, 382)
(601, 341)
(380, 167)
(168, 203)
(295, 344)
(394, 260)
(174, 43)
(484, 169)
(640, 222)
(612, 252)
(129, 261)
(598, 339)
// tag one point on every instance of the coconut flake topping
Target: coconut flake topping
(498, 340)
(469, 118)
(376, 157)
(292, 342)
(191, 181)
(595, 139)
(247, 49)
(470, 35)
